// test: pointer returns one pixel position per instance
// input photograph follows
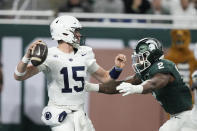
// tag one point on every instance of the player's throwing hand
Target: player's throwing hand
(31, 47)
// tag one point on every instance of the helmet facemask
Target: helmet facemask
(78, 39)
(140, 61)
(148, 51)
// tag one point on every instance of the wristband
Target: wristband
(19, 73)
(115, 72)
(139, 89)
(25, 60)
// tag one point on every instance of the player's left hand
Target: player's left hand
(120, 60)
(128, 88)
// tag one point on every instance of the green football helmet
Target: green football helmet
(147, 52)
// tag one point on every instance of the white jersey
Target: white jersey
(66, 74)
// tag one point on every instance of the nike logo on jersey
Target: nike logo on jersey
(38, 53)
(56, 56)
(83, 54)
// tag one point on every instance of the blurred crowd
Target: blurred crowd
(111, 6)
(174, 7)
(156, 7)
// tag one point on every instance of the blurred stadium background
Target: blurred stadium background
(110, 29)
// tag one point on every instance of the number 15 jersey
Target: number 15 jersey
(66, 74)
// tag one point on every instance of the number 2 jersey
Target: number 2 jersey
(175, 97)
(66, 74)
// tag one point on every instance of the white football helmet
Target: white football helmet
(63, 28)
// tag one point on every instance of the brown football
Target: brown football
(39, 54)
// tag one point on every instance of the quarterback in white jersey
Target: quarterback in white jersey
(66, 74)
(66, 69)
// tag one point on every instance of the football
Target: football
(39, 54)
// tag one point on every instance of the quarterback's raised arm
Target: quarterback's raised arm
(23, 70)
(104, 76)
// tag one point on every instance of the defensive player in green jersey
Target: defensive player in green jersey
(158, 76)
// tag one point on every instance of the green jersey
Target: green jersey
(175, 97)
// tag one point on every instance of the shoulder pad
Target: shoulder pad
(51, 49)
(162, 66)
(85, 48)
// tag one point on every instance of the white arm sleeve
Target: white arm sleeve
(91, 62)
(91, 87)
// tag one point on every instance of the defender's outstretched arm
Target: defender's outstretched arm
(110, 87)
(160, 80)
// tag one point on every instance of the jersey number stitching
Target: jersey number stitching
(66, 88)
(160, 65)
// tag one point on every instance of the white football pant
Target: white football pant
(184, 121)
